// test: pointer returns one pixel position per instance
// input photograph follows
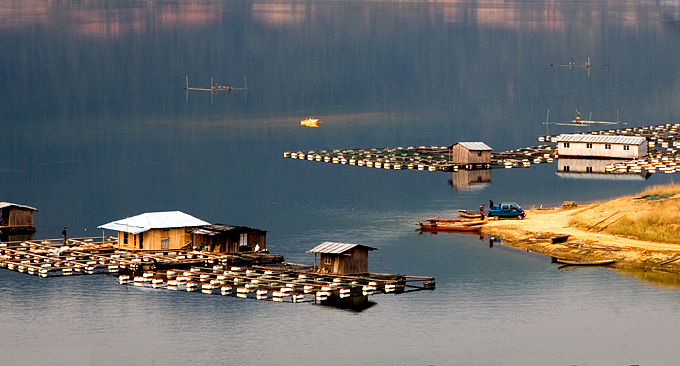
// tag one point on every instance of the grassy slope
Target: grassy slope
(661, 224)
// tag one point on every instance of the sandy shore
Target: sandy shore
(534, 233)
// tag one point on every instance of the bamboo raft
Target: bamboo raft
(261, 276)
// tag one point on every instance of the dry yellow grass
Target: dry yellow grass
(656, 218)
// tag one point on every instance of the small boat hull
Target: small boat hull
(427, 226)
(585, 263)
(468, 215)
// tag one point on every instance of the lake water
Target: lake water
(95, 125)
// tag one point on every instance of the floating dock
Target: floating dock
(432, 159)
(49, 258)
(284, 283)
(663, 142)
(261, 276)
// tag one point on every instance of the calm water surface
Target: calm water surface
(95, 125)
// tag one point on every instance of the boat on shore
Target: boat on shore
(450, 226)
(469, 214)
(438, 220)
(585, 263)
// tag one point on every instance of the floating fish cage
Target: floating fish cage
(284, 283)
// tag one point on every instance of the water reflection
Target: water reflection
(357, 303)
(597, 169)
(470, 179)
(663, 280)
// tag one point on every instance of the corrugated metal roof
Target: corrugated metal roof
(9, 204)
(154, 220)
(602, 139)
(475, 146)
(329, 247)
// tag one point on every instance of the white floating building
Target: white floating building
(601, 146)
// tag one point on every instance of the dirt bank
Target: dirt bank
(534, 233)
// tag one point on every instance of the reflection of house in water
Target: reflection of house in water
(16, 222)
(597, 169)
(468, 179)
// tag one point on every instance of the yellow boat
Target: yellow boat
(310, 122)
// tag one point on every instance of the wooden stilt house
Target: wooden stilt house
(220, 238)
(341, 258)
(601, 146)
(16, 218)
(16, 222)
(173, 230)
(169, 230)
(473, 155)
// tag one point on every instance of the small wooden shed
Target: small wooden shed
(220, 238)
(601, 146)
(170, 230)
(341, 258)
(474, 155)
(16, 218)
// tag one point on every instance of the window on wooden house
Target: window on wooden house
(479, 153)
(328, 260)
(607, 146)
(566, 144)
(125, 238)
(165, 242)
(565, 168)
(626, 147)
(589, 145)
(243, 239)
(589, 169)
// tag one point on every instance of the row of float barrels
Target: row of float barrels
(262, 286)
(49, 266)
(525, 163)
(57, 269)
(387, 163)
(665, 165)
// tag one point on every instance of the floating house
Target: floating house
(15, 217)
(220, 238)
(16, 222)
(173, 230)
(474, 155)
(341, 258)
(601, 146)
(170, 230)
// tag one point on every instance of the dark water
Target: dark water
(95, 125)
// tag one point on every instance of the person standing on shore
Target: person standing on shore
(490, 204)
(481, 211)
(63, 233)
